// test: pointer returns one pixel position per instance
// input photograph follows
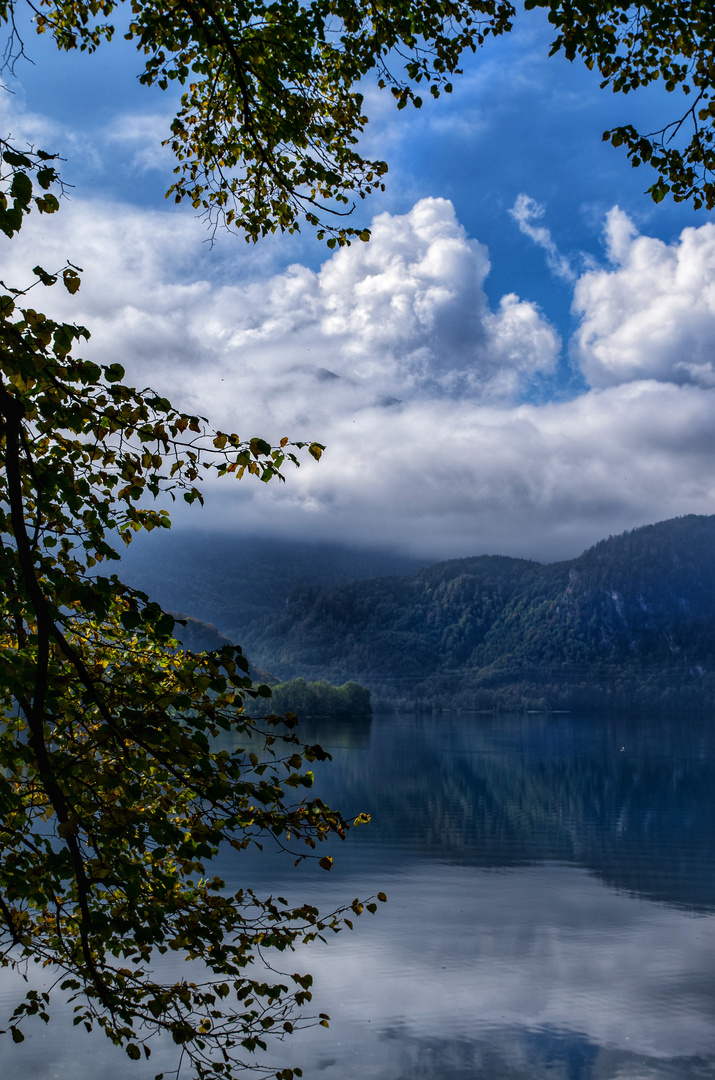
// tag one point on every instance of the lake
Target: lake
(550, 914)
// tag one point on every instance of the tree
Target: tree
(114, 791)
(350, 702)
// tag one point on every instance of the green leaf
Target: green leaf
(47, 204)
(45, 278)
(21, 188)
(260, 447)
(114, 373)
(45, 177)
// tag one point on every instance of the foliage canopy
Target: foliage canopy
(633, 45)
(349, 702)
(115, 793)
(272, 108)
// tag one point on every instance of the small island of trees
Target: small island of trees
(351, 701)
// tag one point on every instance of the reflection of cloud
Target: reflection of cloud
(528, 969)
(533, 973)
(504, 1054)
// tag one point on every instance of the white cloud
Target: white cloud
(526, 211)
(651, 313)
(141, 137)
(23, 129)
(443, 478)
(391, 354)
(404, 317)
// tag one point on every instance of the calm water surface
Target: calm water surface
(551, 911)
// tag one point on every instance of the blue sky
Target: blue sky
(512, 364)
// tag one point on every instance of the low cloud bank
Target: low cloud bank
(424, 394)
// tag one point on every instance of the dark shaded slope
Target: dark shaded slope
(648, 594)
(391, 628)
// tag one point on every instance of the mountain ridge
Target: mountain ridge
(631, 621)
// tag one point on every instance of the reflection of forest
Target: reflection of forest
(633, 801)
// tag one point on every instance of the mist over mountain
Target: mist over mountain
(233, 581)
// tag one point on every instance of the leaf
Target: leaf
(45, 278)
(326, 862)
(21, 188)
(45, 177)
(72, 282)
(114, 373)
(12, 157)
(47, 204)
(259, 447)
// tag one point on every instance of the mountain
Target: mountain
(233, 581)
(630, 622)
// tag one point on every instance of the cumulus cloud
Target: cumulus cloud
(650, 314)
(391, 354)
(402, 318)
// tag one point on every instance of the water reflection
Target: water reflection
(631, 799)
(522, 973)
(551, 888)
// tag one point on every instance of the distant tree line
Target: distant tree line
(347, 702)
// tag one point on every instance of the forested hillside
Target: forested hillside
(394, 626)
(629, 622)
